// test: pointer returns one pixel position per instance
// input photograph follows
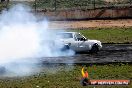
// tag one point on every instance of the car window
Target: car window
(79, 37)
(65, 35)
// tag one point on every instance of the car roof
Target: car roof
(69, 32)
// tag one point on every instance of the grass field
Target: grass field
(108, 35)
(69, 77)
(67, 3)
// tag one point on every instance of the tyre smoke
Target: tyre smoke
(24, 39)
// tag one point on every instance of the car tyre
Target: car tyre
(95, 48)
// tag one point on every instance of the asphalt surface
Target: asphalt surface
(108, 54)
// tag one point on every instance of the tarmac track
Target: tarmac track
(110, 53)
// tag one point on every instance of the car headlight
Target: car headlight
(99, 43)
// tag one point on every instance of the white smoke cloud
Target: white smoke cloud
(23, 39)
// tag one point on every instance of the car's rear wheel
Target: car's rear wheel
(95, 48)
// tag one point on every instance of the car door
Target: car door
(81, 42)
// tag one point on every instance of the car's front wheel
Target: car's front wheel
(95, 48)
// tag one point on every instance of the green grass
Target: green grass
(50, 4)
(108, 35)
(64, 4)
(70, 78)
(75, 3)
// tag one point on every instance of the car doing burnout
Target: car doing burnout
(78, 43)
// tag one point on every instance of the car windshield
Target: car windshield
(65, 35)
(79, 36)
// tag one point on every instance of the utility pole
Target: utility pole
(55, 5)
(35, 7)
(7, 3)
(94, 4)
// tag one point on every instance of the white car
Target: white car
(78, 43)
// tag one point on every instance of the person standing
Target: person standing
(85, 77)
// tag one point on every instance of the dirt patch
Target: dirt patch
(91, 23)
